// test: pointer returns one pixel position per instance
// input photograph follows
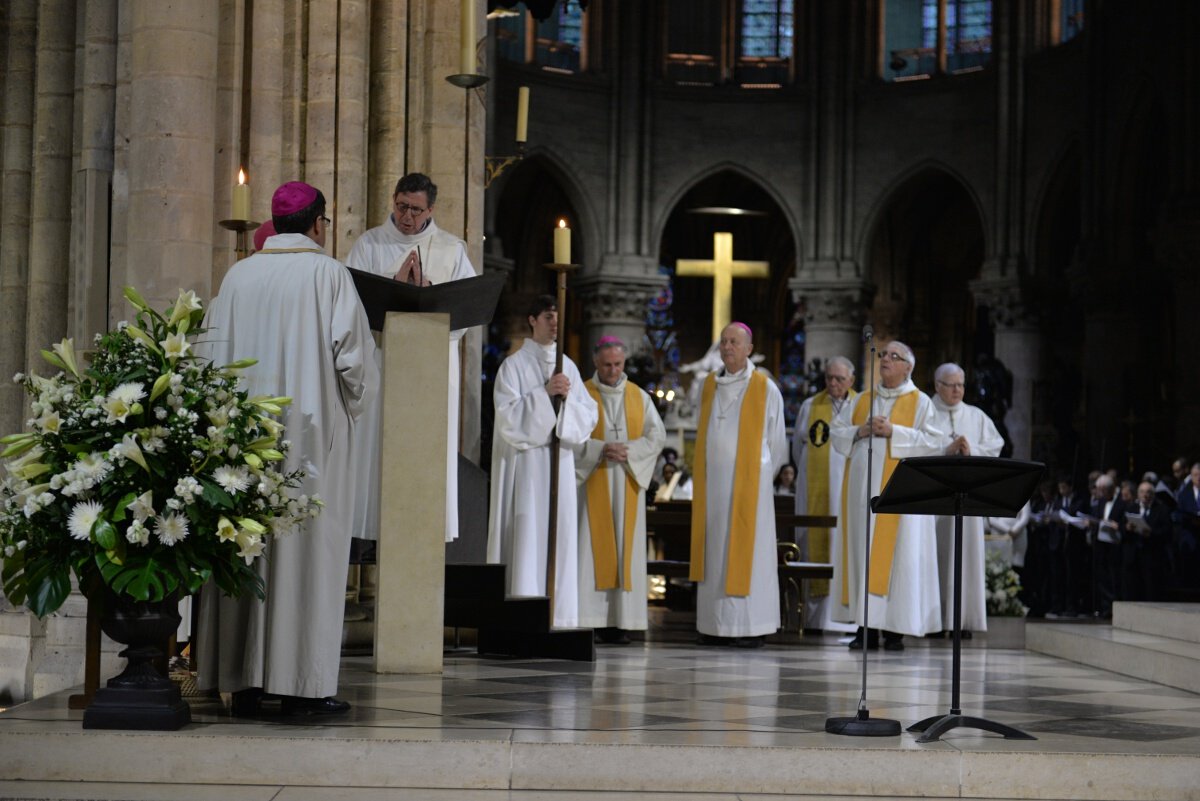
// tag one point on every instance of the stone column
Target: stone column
(267, 79)
(387, 121)
(92, 190)
(173, 94)
(50, 216)
(614, 306)
(1018, 347)
(15, 188)
(349, 201)
(834, 313)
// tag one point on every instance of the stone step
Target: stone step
(1179, 621)
(1162, 660)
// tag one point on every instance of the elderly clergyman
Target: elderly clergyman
(613, 469)
(903, 582)
(741, 442)
(819, 482)
(966, 431)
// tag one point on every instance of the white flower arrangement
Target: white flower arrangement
(1003, 587)
(149, 471)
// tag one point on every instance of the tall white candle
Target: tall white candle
(467, 56)
(522, 113)
(241, 198)
(562, 243)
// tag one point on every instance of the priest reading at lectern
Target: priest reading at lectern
(520, 503)
(409, 247)
(904, 575)
(741, 442)
(296, 310)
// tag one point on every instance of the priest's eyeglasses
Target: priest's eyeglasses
(891, 355)
(950, 385)
(403, 209)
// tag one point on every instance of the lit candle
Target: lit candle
(522, 113)
(241, 198)
(467, 56)
(562, 243)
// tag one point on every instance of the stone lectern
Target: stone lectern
(416, 324)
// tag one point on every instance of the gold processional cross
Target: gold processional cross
(723, 269)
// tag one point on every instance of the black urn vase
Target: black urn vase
(140, 697)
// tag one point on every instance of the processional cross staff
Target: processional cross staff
(561, 267)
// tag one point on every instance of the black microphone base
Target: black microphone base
(863, 725)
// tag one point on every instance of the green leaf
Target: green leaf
(215, 495)
(145, 582)
(122, 510)
(104, 534)
(47, 588)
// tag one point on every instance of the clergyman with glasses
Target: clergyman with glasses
(410, 247)
(903, 583)
(819, 471)
(967, 431)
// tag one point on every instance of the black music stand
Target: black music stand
(959, 485)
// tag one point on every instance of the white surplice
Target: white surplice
(970, 422)
(623, 608)
(382, 250)
(912, 604)
(817, 609)
(756, 614)
(300, 316)
(520, 510)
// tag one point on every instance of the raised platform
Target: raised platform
(1159, 642)
(647, 718)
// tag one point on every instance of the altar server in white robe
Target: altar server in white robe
(296, 311)
(519, 517)
(409, 247)
(903, 581)
(819, 470)
(741, 442)
(614, 467)
(967, 431)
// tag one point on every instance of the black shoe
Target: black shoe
(295, 705)
(893, 642)
(611, 635)
(872, 641)
(965, 634)
(750, 642)
(711, 639)
(246, 703)
(935, 635)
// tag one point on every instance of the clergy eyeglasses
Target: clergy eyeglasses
(892, 355)
(403, 208)
(958, 385)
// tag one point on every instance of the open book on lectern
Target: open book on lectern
(469, 302)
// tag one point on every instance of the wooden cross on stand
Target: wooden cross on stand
(723, 270)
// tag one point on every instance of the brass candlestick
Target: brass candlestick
(242, 227)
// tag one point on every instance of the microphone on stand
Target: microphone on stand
(868, 333)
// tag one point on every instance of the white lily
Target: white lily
(175, 345)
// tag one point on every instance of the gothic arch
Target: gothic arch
(926, 241)
(667, 206)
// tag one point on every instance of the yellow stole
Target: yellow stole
(600, 519)
(747, 463)
(883, 539)
(816, 471)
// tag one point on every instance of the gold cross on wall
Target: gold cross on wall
(723, 269)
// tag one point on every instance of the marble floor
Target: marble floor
(678, 713)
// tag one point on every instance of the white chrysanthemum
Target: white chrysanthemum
(142, 507)
(92, 467)
(83, 517)
(232, 480)
(175, 345)
(137, 533)
(171, 529)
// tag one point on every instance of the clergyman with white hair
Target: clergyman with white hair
(903, 582)
(967, 431)
(819, 471)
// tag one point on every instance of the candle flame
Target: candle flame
(241, 176)
(562, 223)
